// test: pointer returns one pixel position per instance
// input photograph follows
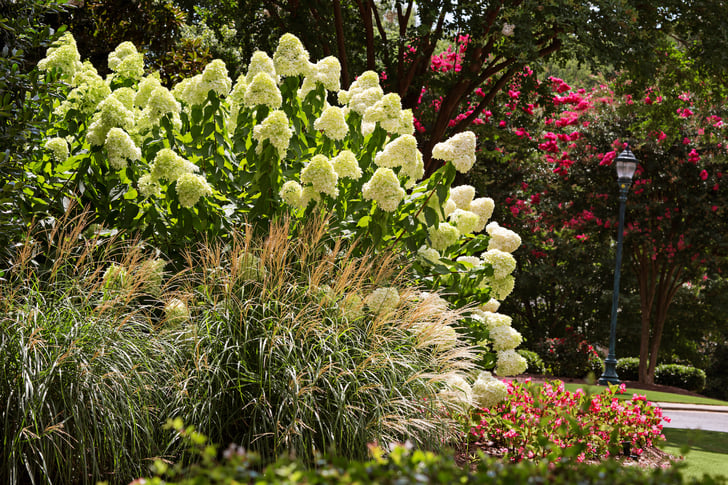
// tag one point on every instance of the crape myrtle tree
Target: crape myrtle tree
(494, 41)
(676, 225)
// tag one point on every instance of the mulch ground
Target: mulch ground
(650, 458)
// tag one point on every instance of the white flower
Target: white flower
(508, 29)
(462, 196)
(263, 91)
(459, 149)
(237, 95)
(474, 261)
(491, 306)
(250, 267)
(488, 391)
(501, 288)
(429, 254)
(368, 79)
(332, 123)
(126, 96)
(327, 71)
(346, 165)
(308, 195)
(502, 238)
(503, 263)
(169, 166)
(62, 55)
(190, 188)
(383, 300)
(176, 312)
(291, 193)
(144, 90)
(274, 128)
(126, 61)
(120, 148)
(464, 220)
(58, 148)
(160, 102)
(406, 123)
(386, 111)
(443, 236)
(291, 58)
(320, 174)
(483, 206)
(259, 62)
(458, 392)
(494, 320)
(352, 307)
(384, 189)
(510, 363)
(400, 152)
(505, 338)
(147, 186)
(361, 100)
(449, 207)
(112, 112)
(215, 78)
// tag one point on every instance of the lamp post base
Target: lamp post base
(610, 373)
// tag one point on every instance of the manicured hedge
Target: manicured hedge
(682, 376)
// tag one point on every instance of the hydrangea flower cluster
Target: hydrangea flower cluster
(126, 61)
(320, 175)
(169, 166)
(510, 363)
(191, 188)
(291, 58)
(503, 263)
(459, 149)
(457, 393)
(502, 238)
(111, 113)
(488, 391)
(250, 267)
(274, 128)
(384, 189)
(332, 123)
(346, 165)
(120, 148)
(327, 71)
(195, 90)
(363, 93)
(443, 236)
(382, 300)
(259, 62)
(263, 91)
(58, 148)
(89, 89)
(176, 312)
(62, 55)
(505, 338)
(402, 152)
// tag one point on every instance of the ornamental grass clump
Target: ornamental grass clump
(317, 351)
(85, 373)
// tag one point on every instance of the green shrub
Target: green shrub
(293, 354)
(403, 466)
(682, 376)
(628, 368)
(534, 361)
(716, 384)
(569, 356)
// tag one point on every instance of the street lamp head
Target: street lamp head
(626, 165)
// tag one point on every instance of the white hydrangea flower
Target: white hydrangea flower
(120, 148)
(493, 320)
(148, 187)
(290, 57)
(152, 274)
(186, 90)
(169, 166)
(501, 288)
(161, 102)
(328, 72)
(176, 312)
(462, 196)
(502, 238)
(443, 236)
(503, 263)
(145, 88)
(308, 195)
(90, 89)
(459, 149)
(483, 206)
(276, 129)
(58, 147)
(250, 267)
(215, 78)
(352, 307)
(491, 306)
(510, 363)
(505, 338)
(237, 95)
(449, 207)
(126, 96)
(488, 391)
(259, 62)
(319, 173)
(386, 111)
(383, 300)
(62, 55)
(263, 91)
(126, 61)
(430, 255)
(406, 123)
(464, 220)
(332, 123)
(346, 165)
(291, 193)
(472, 260)
(361, 100)
(110, 113)
(190, 188)
(400, 152)
(115, 277)
(457, 393)
(384, 189)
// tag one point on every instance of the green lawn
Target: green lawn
(655, 396)
(707, 453)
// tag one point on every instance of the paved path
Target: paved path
(693, 416)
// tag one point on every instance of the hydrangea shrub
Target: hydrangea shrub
(210, 154)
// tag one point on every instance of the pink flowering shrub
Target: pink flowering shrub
(534, 421)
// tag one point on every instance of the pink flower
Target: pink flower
(704, 175)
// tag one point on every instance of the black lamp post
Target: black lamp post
(626, 165)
